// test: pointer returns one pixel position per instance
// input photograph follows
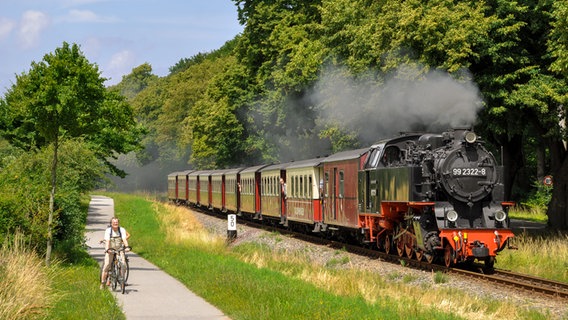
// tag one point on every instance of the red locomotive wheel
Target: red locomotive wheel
(419, 254)
(387, 243)
(408, 245)
(408, 250)
(400, 246)
(429, 257)
(449, 255)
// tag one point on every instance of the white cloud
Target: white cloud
(121, 63)
(31, 26)
(86, 16)
(73, 3)
(6, 27)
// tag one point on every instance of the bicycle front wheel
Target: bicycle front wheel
(122, 277)
(127, 269)
(115, 274)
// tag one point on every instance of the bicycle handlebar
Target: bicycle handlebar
(125, 249)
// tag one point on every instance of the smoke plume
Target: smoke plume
(379, 107)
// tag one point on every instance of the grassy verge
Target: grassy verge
(80, 296)
(29, 290)
(250, 281)
(544, 254)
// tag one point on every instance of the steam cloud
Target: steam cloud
(405, 101)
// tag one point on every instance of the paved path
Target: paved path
(150, 293)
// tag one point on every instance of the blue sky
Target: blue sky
(117, 35)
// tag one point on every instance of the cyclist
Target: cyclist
(115, 238)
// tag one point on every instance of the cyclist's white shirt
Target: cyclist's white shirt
(115, 239)
(109, 233)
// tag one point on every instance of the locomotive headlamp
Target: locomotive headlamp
(452, 216)
(500, 215)
(470, 137)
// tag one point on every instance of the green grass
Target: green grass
(523, 213)
(244, 290)
(78, 286)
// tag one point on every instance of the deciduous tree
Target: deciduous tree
(62, 97)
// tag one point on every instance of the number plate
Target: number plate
(469, 172)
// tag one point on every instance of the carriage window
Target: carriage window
(300, 187)
(341, 183)
(275, 186)
(296, 190)
(310, 188)
(305, 187)
(292, 187)
(263, 186)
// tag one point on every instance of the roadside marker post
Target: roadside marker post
(231, 227)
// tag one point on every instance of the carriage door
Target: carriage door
(334, 197)
(283, 191)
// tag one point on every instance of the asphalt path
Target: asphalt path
(150, 292)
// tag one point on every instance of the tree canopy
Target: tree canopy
(306, 78)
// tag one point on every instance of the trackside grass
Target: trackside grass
(251, 281)
(543, 254)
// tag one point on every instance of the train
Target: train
(434, 197)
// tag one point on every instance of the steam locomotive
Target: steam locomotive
(432, 196)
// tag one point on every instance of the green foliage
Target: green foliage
(184, 63)
(540, 197)
(63, 96)
(558, 41)
(24, 193)
(139, 79)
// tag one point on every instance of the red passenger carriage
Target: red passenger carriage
(340, 184)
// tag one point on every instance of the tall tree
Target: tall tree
(61, 97)
(557, 112)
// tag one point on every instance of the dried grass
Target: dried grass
(182, 227)
(544, 256)
(25, 291)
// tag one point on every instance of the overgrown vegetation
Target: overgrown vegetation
(25, 283)
(544, 255)
(30, 290)
(24, 194)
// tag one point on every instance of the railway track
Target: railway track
(527, 283)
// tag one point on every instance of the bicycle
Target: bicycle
(119, 270)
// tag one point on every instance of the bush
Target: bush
(25, 189)
(539, 198)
